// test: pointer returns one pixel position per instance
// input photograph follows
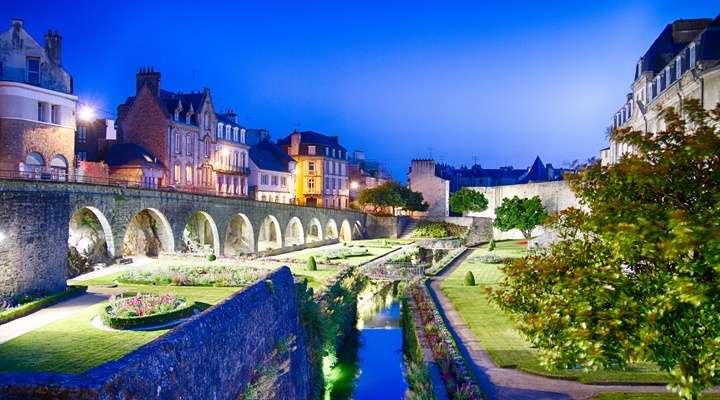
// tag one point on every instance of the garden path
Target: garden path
(506, 383)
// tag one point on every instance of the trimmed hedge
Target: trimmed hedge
(149, 320)
(29, 308)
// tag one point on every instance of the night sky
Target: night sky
(399, 80)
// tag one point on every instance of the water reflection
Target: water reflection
(370, 362)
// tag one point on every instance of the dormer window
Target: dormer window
(678, 68)
(220, 131)
(227, 131)
(187, 118)
(692, 55)
(236, 134)
(242, 135)
(176, 117)
(32, 66)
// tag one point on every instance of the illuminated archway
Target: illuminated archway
(200, 235)
(240, 237)
(269, 235)
(148, 233)
(314, 233)
(331, 230)
(90, 240)
(345, 232)
(294, 233)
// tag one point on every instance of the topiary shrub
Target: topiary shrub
(469, 279)
(211, 257)
(311, 265)
(491, 247)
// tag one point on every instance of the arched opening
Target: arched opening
(294, 233)
(148, 234)
(269, 236)
(90, 241)
(357, 230)
(240, 238)
(59, 167)
(34, 165)
(200, 235)
(345, 232)
(314, 233)
(331, 231)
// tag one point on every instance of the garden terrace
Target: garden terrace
(494, 329)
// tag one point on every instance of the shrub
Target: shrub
(145, 310)
(491, 247)
(469, 279)
(494, 259)
(201, 275)
(27, 304)
(438, 229)
(211, 257)
(342, 253)
(311, 265)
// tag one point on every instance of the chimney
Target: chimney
(147, 77)
(295, 143)
(53, 46)
(16, 23)
(231, 115)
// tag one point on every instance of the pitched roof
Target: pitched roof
(269, 156)
(536, 173)
(130, 154)
(312, 137)
(671, 41)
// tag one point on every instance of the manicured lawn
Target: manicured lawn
(372, 245)
(495, 331)
(74, 345)
(648, 396)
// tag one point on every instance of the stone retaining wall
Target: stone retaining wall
(214, 355)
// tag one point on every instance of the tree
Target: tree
(414, 201)
(635, 275)
(392, 194)
(521, 214)
(465, 200)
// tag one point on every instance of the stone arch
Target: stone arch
(331, 230)
(200, 235)
(148, 233)
(239, 237)
(357, 230)
(314, 233)
(90, 240)
(294, 232)
(345, 232)
(269, 235)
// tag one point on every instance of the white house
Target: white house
(272, 174)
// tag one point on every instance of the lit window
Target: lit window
(188, 174)
(32, 65)
(176, 178)
(220, 131)
(264, 179)
(242, 135)
(235, 134)
(311, 150)
(692, 55)
(311, 183)
(274, 180)
(283, 181)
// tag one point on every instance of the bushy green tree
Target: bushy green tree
(466, 200)
(311, 265)
(521, 214)
(636, 275)
(491, 246)
(393, 195)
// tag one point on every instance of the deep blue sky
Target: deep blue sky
(501, 82)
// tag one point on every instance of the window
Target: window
(311, 183)
(207, 146)
(235, 134)
(242, 159)
(311, 150)
(188, 145)
(177, 143)
(692, 55)
(220, 131)
(283, 181)
(242, 135)
(55, 114)
(274, 180)
(176, 177)
(333, 153)
(189, 174)
(311, 167)
(327, 151)
(82, 134)
(236, 159)
(59, 167)
(82, 155)
(32, 65)
(40, 111)
(678, 67)
(176, 117)
(264, 179)
(206, 120)
(227, 132)
(34, 162)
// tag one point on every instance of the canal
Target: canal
(370, 363)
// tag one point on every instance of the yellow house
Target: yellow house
(321, 176)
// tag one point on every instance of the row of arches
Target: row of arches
(150, 233)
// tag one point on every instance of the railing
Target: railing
(233, 169)
(54, 176)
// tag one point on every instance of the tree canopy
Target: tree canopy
(636, 275)
(521, 214)
(393, 195)
(465, 200)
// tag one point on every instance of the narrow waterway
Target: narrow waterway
(370, 364)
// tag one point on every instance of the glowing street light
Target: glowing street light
(354, 185)
(86, 113)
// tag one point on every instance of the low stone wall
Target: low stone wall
(253, 335)
(381, 227)
(297, 247)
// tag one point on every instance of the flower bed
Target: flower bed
(494, 259)
(203, 275)
(342, 253)
(21, 306)
(145, 310)
(457, 379)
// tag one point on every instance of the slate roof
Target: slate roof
(312, 137)
(171, 100)
(269, 156)
(130, 155)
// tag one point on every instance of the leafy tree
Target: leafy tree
(635, 275)
(521, 214)
(465, 200)
(414, 201)
(393, 195)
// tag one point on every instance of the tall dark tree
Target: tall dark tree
(465, 200)
(636, 274)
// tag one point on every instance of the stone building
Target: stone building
(682, 63)
(422, 178)
(37, 106)
(272, 173)
(202, 151)
(364, 174)
(321, 178)
(92, 138)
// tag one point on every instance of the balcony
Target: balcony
(232, 169)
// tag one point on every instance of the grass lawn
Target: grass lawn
(73, 345)
(648, 396)
(495, 331)
(372, 245)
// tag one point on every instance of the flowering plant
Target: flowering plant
(142, 305)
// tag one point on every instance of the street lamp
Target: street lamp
(354, 185)
(86, 113)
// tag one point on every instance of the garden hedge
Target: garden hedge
(31, 307)
(150, 320)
